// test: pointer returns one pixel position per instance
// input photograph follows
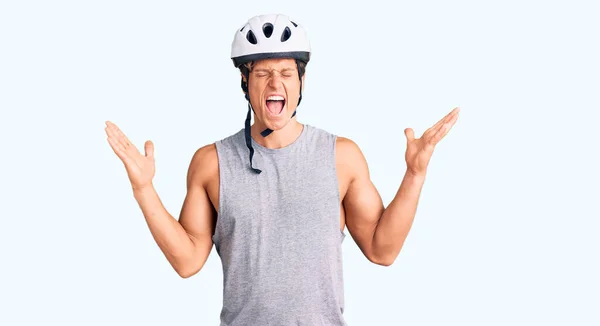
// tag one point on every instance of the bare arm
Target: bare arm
(380, 232)
(397, 219)
(185, 243)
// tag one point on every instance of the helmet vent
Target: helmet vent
(251, 37)
(268, 29)
(286, 34)
(295, 25)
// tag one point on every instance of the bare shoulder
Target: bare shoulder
(204, 165)
(349, 156)
(347, 148)
(350, 164)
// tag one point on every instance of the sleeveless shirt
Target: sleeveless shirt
(278, 233)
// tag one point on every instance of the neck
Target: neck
(278, 138)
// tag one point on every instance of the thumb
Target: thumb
(410, 134)
(149, 148)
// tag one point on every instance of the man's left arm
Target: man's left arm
(380, 232)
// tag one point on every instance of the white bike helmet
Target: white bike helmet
(270, 36)
(267, 37)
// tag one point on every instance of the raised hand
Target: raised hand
(140, 168)
(419, 150)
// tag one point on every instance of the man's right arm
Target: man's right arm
(185, 243)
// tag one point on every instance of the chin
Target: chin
(276, 124)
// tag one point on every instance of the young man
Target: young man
(274, 197)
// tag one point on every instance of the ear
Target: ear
(244, 85)
(303, 82)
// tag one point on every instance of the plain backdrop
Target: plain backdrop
(506, 231)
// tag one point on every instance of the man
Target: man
(274, 197)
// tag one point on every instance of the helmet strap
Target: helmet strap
(267, 131)
(249, 138)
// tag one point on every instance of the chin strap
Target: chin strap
(249, 138)
(267, 131)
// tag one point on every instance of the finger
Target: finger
(433, 129)
(120, 137)
(445, 118)
(443, 131)
(120, 151)
(112, 128)
(410, 134)
(121, 148)
(116, 138)
(116, 147)
(116, 133)
(149, 149)
(433, 139)
(448, 117)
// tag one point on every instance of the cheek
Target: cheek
(255, 90)
(292, 87)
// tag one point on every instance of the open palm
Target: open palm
(420, 150)
(140, 168)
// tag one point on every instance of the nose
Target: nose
(275, 80)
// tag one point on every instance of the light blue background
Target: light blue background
(507, 227)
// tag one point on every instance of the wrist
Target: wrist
(415, 176)
(141, 191)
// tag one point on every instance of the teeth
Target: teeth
(275, 98)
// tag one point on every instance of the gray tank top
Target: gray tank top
(278, 233)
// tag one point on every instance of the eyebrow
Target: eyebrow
(268, 70)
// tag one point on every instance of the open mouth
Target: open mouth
(275, 104)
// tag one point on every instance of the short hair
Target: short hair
(246, 68)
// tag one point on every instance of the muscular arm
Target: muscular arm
(378, 231)
(185, 243)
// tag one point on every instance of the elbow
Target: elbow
(385, 260)
(185, 268)
(185, 275)
(188, 264)
(386, 263)
(186, 272)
